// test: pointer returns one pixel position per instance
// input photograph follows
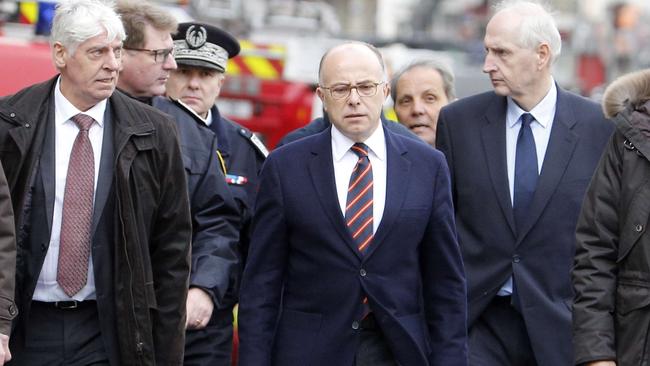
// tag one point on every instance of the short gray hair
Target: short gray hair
(446, 74)
(76, 21)
(537, 25)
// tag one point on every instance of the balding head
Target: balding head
(353, 88)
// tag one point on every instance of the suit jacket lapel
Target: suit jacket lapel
(47, 164)
(493, 133)
(105, 178)
(398, 168)
(321, 169)
(560, 149)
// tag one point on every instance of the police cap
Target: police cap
(204, 45)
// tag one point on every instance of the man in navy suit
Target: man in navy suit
(336, 278)
(520, 159)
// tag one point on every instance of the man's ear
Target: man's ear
(59, 55)
(320, 94)
(543, 55)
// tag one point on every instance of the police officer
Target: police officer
(202, 52)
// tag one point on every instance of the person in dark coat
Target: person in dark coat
(520, 158)
(8, 309)
(103, 264)
(201, 52)
(370, 278)
(611, 275)
(215, 216)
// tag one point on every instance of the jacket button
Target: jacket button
(363, 272)
(43, 247)
(638, 228)
(27, 125)
(355, 325)
(516, 258)
(12, 310)
(12, 114)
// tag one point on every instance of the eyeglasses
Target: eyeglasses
(342, 91)
(159, 56)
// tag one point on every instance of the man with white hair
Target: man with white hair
(101, 210)
(520, 158)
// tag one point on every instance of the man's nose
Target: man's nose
(488, 64)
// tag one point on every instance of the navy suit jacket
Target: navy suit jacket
(302, 291)
(472, 134)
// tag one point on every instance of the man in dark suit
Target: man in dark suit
(353, 259)
(101, 208)
(520, 159)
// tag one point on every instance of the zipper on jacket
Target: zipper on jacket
(139, 345)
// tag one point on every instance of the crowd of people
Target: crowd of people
(501, 229)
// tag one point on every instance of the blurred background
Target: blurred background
(270, 86)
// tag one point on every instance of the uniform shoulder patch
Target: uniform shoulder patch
(259, 145)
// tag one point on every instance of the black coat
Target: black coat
(151, 219)
(611, 276)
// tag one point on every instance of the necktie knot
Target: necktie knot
(360, 149)
(526, 119)
(83, 121)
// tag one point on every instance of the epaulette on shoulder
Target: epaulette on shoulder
(255, 141)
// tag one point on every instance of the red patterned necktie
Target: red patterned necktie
(358, 209)
(76, 221)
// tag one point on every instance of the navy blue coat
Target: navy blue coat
(472, 134)
(302, 290)
(215, 217)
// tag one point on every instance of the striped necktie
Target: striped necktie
(358, 209)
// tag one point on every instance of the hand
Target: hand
(601, 363)
(5, 355)
(199, 309)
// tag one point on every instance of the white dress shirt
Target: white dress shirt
(544, 113)
(65, 132)
(344, 161)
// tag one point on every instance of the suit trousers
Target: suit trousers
(499, 337)
(373, 349)
(212, 345)
(57, 336)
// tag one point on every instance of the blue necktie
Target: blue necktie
(525, 183)
(525, 171)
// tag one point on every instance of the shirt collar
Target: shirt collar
(67, 110)
(208, 119)
(543, 112)
(376, 143)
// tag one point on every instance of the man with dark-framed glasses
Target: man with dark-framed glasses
(353, 259)
(149, 58)
(148, 50)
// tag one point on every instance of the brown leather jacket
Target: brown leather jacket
(611, 276)
(151, 263)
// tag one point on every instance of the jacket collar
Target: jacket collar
(634, 123)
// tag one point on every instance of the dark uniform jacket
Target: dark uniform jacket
(215, 217)
(151, 259)
(611, 276)
(242, 154)
(7, 257)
